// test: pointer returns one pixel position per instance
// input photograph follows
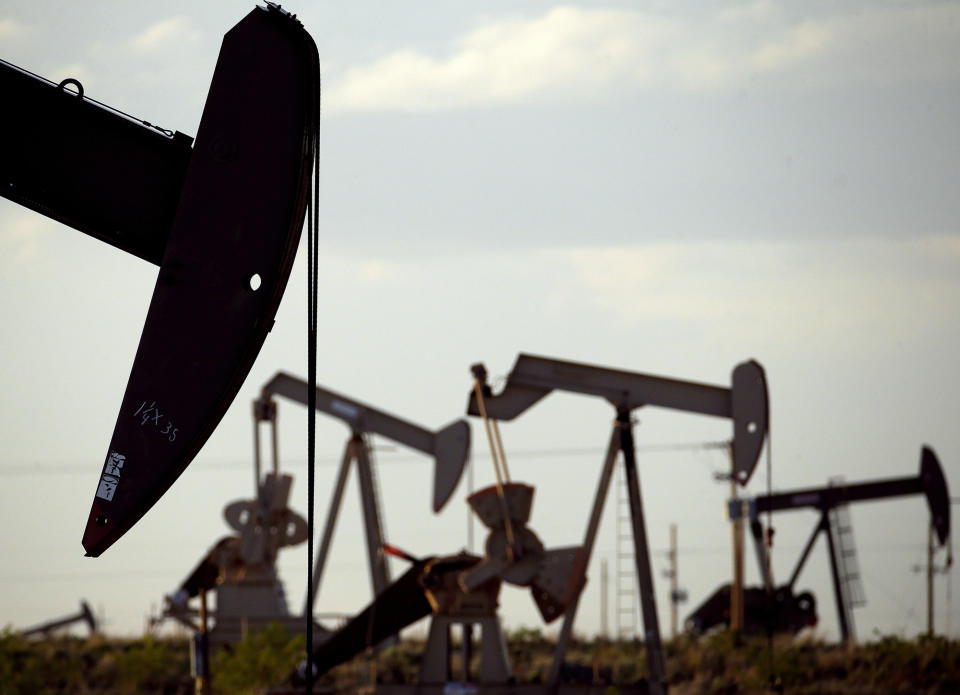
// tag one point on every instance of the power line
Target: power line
(210, 466)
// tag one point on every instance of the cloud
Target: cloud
(867, 287)
(164, 35)
(77, 71)
(23, 236)
(10, 29)
(570, 52)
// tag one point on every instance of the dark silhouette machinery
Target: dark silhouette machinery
(449, 447)
(221, 216)
(778, 608)
(85, 615)
(462, 588)
(241, 568)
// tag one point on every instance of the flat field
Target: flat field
(719, 664)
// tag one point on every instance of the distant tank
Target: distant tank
(782, 611)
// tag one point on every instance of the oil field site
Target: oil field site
(523, 349)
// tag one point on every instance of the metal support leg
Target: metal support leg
(379, 574)
(648, 603)
(332, 512)
(256, 452)
(466, 650)
(805, 554)
(763, 559)
(606, 473)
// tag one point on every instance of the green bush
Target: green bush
(262, 660)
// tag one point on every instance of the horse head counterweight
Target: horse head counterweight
(222, 220)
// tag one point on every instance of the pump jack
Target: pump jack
(84, 616)
(241, 568)
(222, 220)
(449, 447)
(744, 402)
(930, 482)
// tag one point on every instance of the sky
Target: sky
(666, 188)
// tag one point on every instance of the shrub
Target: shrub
(262, 660)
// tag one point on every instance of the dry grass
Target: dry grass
(719, 664)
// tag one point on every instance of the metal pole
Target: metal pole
(470, 511)
(256, 450)
(806, 553)
(673, 581)
(930, 570)
(736, 589)
(379, 574)
(274, 446)
(648, 603)
(203, 682)
(348, 455)
(553, 678)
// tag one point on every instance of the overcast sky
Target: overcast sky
(659, 187)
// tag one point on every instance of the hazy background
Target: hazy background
(659, 188)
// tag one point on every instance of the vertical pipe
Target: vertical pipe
(275, 449)
(256, 450)
(203, 658)
(673, 581)
(736, 589)
(648, 604)
(466, 650)
(469, 511)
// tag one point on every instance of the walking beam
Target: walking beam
(449, 446)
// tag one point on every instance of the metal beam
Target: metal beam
(744, 402)
(930, 481)
(88, 166)
(450, 446)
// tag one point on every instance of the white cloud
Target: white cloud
(77, 71)
(866, 287)
(165, 35)
(570, 52)
(23, 236)
(10, 29)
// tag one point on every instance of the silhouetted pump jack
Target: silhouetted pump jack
(744, 402)
(84, 616)
(449, 447)
(222, 220)
(930, 482)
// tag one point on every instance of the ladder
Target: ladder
(626, 573)
(845, 551)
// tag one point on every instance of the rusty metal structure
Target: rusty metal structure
(221, 215)
(929, 482)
